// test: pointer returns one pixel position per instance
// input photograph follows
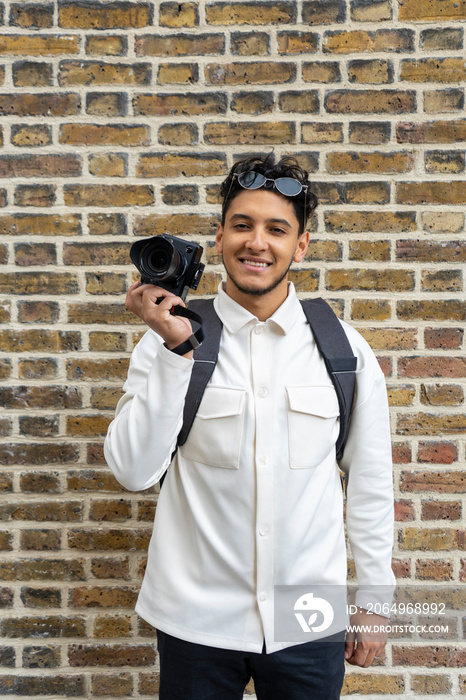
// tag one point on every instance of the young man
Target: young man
(253, 499)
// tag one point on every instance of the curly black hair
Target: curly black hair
(304, 203)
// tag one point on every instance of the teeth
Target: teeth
(255, 264)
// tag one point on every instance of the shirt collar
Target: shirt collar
(234, 316)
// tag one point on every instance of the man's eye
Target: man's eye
(278, 230)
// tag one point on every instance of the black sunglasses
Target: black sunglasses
(287, 186)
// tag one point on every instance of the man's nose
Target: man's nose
(257, 239)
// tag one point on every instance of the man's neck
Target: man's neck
(263, 306)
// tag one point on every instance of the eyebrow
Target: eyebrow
(268, 221)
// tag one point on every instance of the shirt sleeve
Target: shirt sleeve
(141, 438)
(367, 462)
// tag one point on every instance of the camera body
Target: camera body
(168, 262)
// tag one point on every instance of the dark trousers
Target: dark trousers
(311, 671)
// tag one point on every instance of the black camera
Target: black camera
(169, 262)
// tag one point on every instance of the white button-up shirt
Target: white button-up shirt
(253, 499)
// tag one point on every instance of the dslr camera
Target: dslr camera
(168, 262)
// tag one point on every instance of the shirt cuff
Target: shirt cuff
(171, 358)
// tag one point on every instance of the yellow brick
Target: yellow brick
(177, 14)
(105, 46)
(105, 134)
(178, 73)
(38, 45)
(110, 165)
(274, 13)
(428, 10)
(98, 15)
(431, 539)
(369, 683)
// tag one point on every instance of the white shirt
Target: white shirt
(253, 499)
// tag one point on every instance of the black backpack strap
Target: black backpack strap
(334, 346)
(205, 359)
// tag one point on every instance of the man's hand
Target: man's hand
(362, 647)
(142, 300)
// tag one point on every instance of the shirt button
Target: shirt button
(263, 392)
(264, 459)
(262, 597)
(258, 330)
(264, 531)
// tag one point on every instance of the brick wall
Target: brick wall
(119, 119)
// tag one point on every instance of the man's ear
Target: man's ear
(219, 238)
(303, 243)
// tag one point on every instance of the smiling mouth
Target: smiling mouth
(255, 263)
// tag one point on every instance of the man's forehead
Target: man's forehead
(264, 203)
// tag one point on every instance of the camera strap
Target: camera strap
(194, 340)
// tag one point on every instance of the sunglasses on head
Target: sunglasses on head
(288, 186)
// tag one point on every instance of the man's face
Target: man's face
(258, 243)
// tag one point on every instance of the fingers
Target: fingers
(363, 653)
(157, 304)
(141, 297)
(361, 657)
(169, 301)
(154, 305)
(368, 642)
(349, 645)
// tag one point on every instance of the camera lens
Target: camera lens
(160, 260)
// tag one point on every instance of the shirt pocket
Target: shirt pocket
(215, 436)
(313, 424)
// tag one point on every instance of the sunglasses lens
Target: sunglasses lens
(288, 186)
(251, 180)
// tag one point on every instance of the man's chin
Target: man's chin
(254, 291)
(259, 288)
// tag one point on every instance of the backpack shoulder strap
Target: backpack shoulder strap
(334, 346)
(205, 359)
